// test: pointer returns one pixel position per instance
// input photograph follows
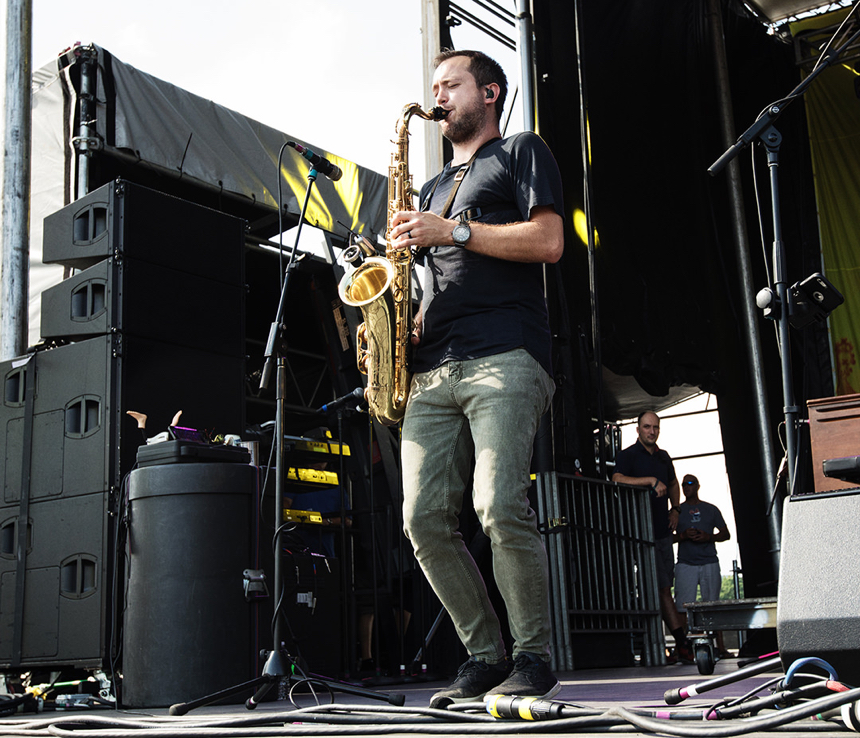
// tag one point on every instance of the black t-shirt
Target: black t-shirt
(636, 461)
(474, 305)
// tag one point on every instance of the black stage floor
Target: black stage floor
(614, 690)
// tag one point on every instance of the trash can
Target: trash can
(187, 628)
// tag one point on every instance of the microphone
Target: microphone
(321, 164)
(353, 398)
(525, 708)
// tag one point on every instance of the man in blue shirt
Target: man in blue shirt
(700, 528)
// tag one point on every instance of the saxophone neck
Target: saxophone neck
(434, 114)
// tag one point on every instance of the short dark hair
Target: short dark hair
(484, 69)
(643, 414)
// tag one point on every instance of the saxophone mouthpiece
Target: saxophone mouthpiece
(439, 113)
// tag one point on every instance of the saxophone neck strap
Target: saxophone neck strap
(458, 179)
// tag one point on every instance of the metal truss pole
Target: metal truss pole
(14, 271)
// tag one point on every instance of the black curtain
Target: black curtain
(668, 288)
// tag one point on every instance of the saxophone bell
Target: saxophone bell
(369, 280)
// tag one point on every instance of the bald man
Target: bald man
(645, 464)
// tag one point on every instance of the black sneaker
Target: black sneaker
(366, 666)
(530, 677)
(474, 679)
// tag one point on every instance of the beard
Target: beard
(469, 121)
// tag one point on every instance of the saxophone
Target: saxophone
(381, 287)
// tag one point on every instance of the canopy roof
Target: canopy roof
(775, 11)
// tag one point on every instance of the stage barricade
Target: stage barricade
(603, 582)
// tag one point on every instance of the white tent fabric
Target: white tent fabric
(47, 181)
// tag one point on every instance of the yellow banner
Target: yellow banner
(833, 116)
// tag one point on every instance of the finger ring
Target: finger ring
(408, 234)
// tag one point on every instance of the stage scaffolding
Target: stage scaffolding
(603, 581)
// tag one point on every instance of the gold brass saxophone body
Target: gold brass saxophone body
(382, 288)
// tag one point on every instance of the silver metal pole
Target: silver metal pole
(86, 142)
(432, 41)
(524, 49)
(736, 586)
(15, 268)
(750, 326)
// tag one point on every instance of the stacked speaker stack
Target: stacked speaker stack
(151, 321)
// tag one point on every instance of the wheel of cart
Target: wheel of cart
(703, 649)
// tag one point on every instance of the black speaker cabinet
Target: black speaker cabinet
(82, 441)
(139, 298)
(57, 440)
(66, 444)
(818, 606)
(58, 614)
(123, 219)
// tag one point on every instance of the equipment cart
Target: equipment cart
(705, 618)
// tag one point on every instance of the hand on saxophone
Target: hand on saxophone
(415, 338)
(422, 230)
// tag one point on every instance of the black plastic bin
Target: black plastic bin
(187, 628)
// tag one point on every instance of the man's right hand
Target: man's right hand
(415, 338)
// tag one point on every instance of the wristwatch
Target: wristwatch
(676, 508)
(462, 233)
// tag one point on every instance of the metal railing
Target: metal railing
(603, 580)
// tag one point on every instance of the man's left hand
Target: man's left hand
(422, 230)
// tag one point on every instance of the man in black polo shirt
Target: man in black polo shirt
(644, 464)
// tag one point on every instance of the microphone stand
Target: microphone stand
(763, 130)
(279, 663)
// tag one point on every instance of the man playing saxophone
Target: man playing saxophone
(482, 376)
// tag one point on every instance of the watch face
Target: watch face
(461, 233)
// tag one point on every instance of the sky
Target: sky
(334, 73)
(329, 72)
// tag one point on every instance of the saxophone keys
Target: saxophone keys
(362, 354)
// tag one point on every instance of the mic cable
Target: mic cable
(526, 708)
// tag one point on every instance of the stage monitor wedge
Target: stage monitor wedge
(818, 607)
